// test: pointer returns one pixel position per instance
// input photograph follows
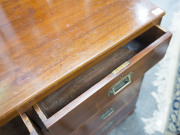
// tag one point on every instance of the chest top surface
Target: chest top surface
(44, 43)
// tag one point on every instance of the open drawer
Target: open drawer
(84, 96)
(20, 125)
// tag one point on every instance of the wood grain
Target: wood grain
(70, 91)
(45, 44)
(94, 99)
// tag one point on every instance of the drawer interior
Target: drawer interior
(21, 125)
(70, 91)
(15, 127)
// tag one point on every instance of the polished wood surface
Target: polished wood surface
(154, 43)
(45, 44)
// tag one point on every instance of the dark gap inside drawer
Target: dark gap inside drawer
(15, 127)
(64, 95)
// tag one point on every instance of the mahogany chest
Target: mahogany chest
(74, 66)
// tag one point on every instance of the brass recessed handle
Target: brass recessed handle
(119, 86)
(107, 113)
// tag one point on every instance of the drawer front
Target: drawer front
(32, 128)
(125, 98)
(119, 116)
(73, 115)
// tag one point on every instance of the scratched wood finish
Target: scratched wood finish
(45, 44)
(124, 99)
(91, 101)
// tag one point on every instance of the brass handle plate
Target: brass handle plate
(107, 113)
(119, 86)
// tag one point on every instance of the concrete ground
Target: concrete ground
(146, 104)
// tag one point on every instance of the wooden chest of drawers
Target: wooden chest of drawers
(75, 69)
